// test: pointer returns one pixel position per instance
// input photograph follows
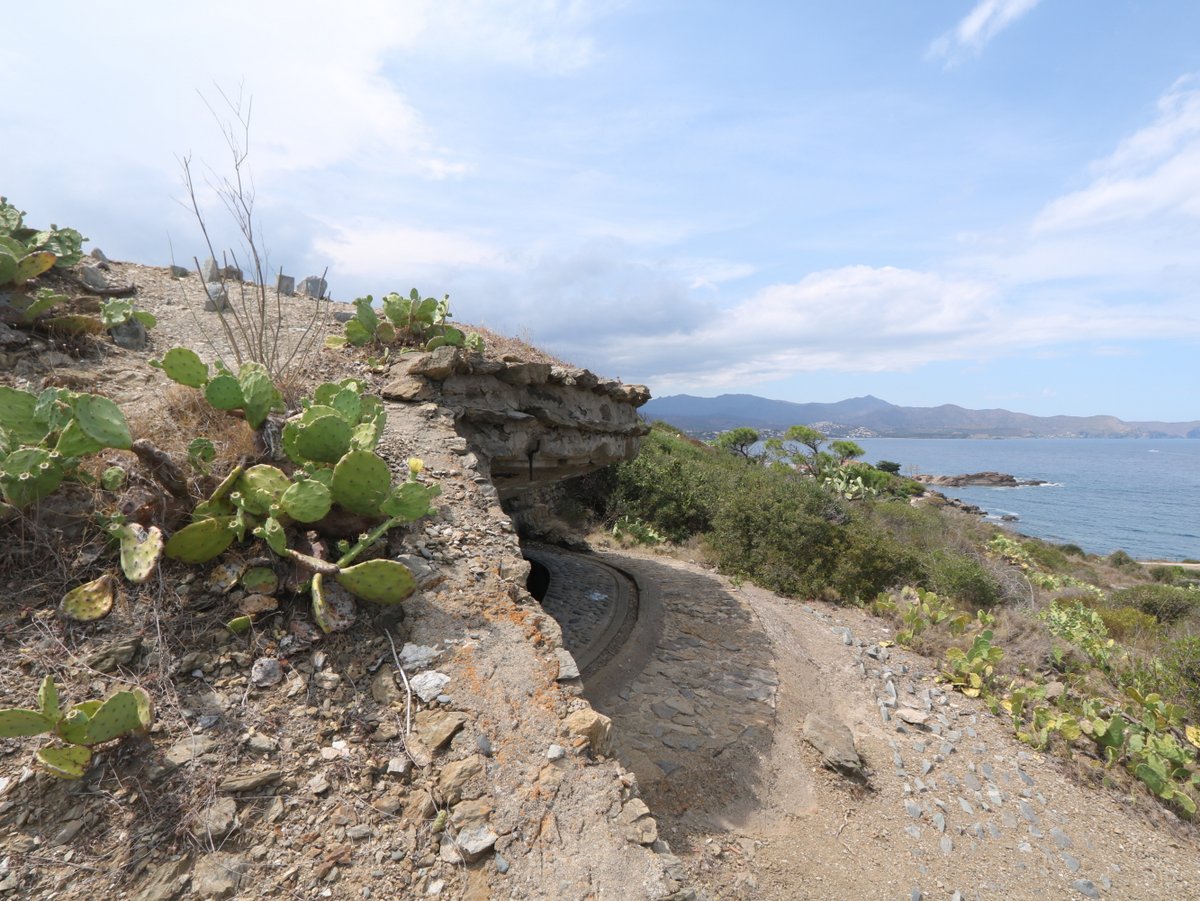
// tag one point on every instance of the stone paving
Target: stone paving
(692, 691)
(706, 686)
(594, 604)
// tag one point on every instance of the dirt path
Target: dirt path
(956, 808)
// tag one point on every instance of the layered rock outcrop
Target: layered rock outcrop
(534, 423)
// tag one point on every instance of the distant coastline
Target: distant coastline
(870, 417)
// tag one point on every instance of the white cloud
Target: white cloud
(853, 319)
(981, 24)
(380, 252)
(321, 76)
(1153, 173)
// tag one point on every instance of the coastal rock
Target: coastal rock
(980, 480)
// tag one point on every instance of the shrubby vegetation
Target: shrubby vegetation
(1010, 616)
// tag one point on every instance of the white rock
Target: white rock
(429, 684)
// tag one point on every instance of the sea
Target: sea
(1141, 496)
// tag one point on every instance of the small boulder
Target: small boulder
(834, 742)
(595, 727)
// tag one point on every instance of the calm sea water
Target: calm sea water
(1140, 496)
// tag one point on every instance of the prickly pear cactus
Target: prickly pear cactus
(333, 606)
(18, 415)
(224, 392)
(184, 366)
(70, 762)
(378, 581)
(73, 441)
(29, 474)
(349, 403)
(258, 393)
(306, 501)
(325, 439)
(18, 723)
(201, 541)
(124, 712)
(103, 421)
(260, 580)
(261, 487)
(410, 501)
(90, 601)
(272, 532)
(361, 481)
(140, 550)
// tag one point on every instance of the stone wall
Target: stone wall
(535, 423)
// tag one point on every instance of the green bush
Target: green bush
(959, 575)
(1181, 665)
(1072, 550)
(1121, 559)
(1166, 603)
(672, 485)
(788, 534)
(1126, 622)
(1170, 575)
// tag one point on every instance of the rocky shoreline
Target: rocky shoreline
(980, 480)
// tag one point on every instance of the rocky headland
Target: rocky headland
(980, 480)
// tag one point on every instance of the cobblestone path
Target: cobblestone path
(708, 692)
(690, 684)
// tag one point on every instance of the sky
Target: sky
(993, 203)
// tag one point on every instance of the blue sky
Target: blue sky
(994, 204)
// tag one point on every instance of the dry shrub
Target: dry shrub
(187, 415)
(1027, 643)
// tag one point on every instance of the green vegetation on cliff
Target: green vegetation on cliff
(1093, 658)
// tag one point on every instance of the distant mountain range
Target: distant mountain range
(867, 417)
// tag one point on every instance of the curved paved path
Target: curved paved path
(682, 667)
(708, 692)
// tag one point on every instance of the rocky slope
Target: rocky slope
(284, 763)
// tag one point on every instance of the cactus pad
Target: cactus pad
(140, 550)
(333, 606)
(258, 393)
(325, 439)
(348, 402)
(73, 726)
(273, 534)
(124, 712)
(260, 487)
(34, 264)
(324, 393)
(410, 501)
(365, 437)
(224, 393)
(18, 723)
(260, 580)
(201, 541)
(29, 474)
(357, 333)
(48, 699)
(378, 581)
(66, 763)
(184, 366)
(75, 442)
(361, 481)
(17, 416)
(103, 421)
(90, 601)
(306, 501)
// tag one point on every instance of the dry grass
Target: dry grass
(186, 415)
